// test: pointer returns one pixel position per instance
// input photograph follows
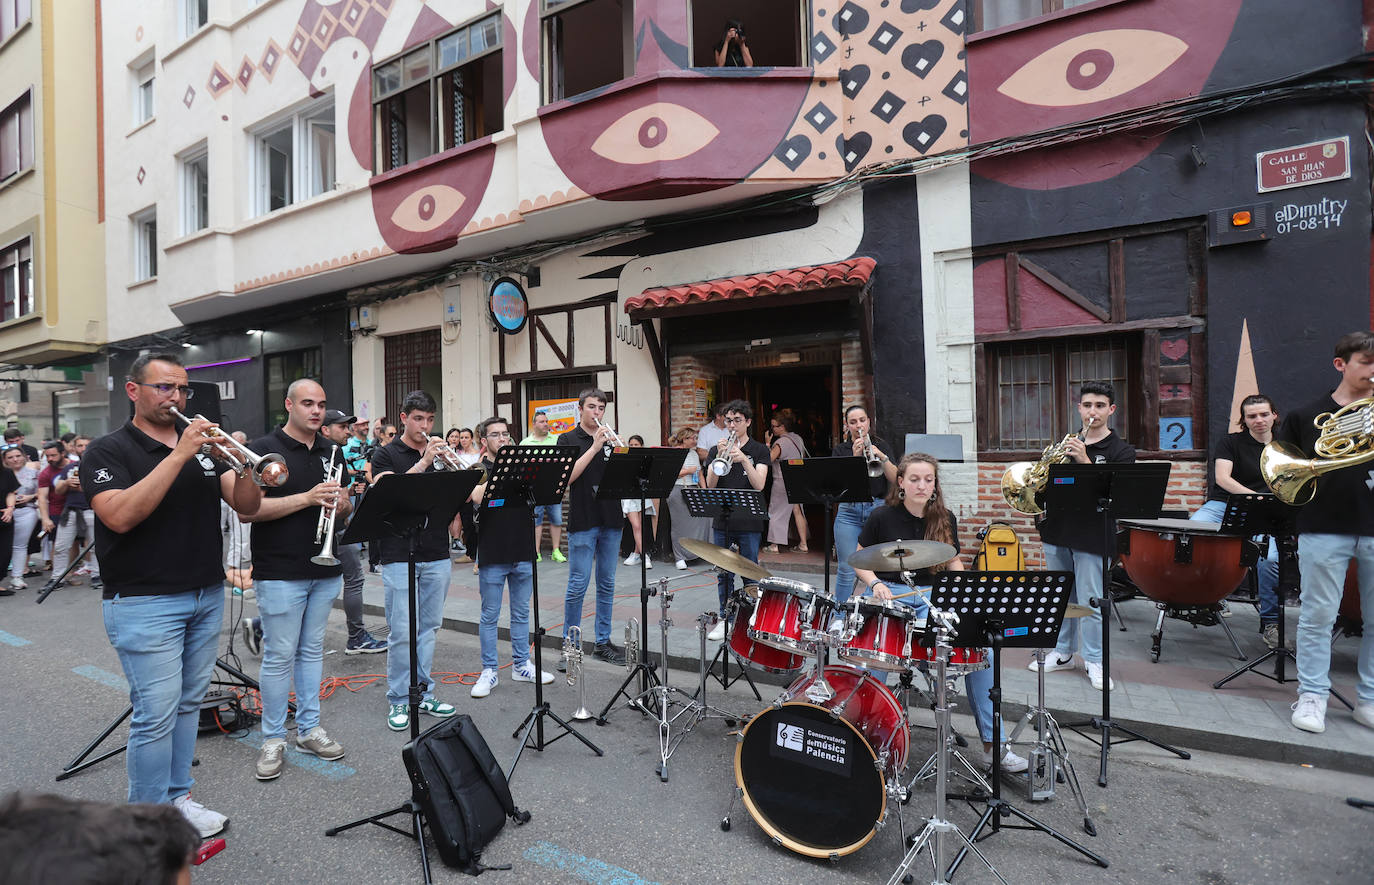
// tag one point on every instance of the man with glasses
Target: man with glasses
(540, 436)
(156, 501)
(749, 461)
(413, 451)
(295, 595)
(503, 560)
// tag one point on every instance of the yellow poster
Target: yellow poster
(562, 414)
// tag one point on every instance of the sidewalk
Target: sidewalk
(1171, 701)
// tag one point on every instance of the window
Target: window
(989, 14)
(412, 362)
(282, 369)
(195, 190)
(194, 16)
(1035, 388)
(16, 136)
(145, 244)
(13, 14)
(439, 96)
(16, 280)
(295, 159)
(774, 32)
(587, 44)
(144, 96)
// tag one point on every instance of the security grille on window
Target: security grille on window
(16, 137)
(145, 244)
(989, 14)
(439, 96)
(1035, 384)
(587, 44)
(295, 158)
(16, 280)
(195, 191)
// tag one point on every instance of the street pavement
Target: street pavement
(1258, 802)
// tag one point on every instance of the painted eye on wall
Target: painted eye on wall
(428, 208)
(1093, 67)
(655, 133)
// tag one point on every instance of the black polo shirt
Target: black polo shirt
(887, 523)
(1243, 451)
(177, 547)
(736, 479)
(1344, 504)
(584, 510)
(432, 544)
(877, 485)
(1083, 531)
(282, 547)
(503, 529)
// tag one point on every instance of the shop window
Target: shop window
(443, 94)
(195, 190)
(294, 159)
(13, 15)
(1034, 388)
(145, 98)
(282, 369)
(989, 14)
(16, 280)
(16, 136)
(587, 44)
(774, 33)
(145, 244)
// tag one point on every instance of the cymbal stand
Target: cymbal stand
(938, 826)
(962, 767)
(1049, 756)
(723, 653)
(705, 621)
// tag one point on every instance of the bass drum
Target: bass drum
(808, 772)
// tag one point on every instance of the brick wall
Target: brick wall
(683, 372)
(854, 389)
(1187, 490)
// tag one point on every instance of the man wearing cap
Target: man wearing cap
(337, 428)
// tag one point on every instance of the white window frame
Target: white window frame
(144, 240)
(16, 261)
(14, 14)
(195, 189)
(193, 15)
(310, 172)
(145, 93)
(17, 135)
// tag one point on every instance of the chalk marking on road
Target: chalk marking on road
(104, 677)
(583, 869)
(335, 771)
(11, 639)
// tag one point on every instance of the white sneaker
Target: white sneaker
(1011, 763)
(485, 683)
(682, 565)
(648, 563)
(717, 632)
(1309, 712)
(206, 822)
(1364, 714)
(632, 559)
(1095, 676)
(1053, 662)
(18, 584)
(525, 673)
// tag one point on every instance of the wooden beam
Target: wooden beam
(1116, 280)
(1184, 322)
(548, 336)
(1064, 289)
(1012, 264)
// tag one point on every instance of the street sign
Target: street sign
(1314, 163)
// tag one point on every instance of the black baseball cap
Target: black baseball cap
(334, 416)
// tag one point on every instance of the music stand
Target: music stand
(826, 481)
(636, 473)
(531, 476)
(1005, 610)
(400, 505)
(1113, 491)
(703, 502)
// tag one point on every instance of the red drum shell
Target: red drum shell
(1213, 574)
(778, 618)
(868, 704)
(881, 642)
(961, 660)
(757, 656)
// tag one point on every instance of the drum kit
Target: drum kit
(819, 768)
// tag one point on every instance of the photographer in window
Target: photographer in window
(733, 51)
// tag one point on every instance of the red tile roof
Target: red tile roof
(850, 272)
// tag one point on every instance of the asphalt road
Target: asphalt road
(609, 820)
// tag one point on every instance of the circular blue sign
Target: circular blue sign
(508, 305)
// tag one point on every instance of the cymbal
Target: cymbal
(726, 559)
(896, 556)
(1077, 611)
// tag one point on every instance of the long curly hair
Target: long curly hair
(936, 515)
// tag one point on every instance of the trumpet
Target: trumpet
(720, 464)
(267, 470)
(874, 463)
(1023, 480)
(572, 652)
(1347, 439)
(616, 441)
(324, 526)
(445, 458)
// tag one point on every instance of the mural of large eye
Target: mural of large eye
(428, 208)
(655, 133)
(1093, 67)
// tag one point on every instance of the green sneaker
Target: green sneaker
(437, 708)
(538, 557)
(398, 717)
(558, 556)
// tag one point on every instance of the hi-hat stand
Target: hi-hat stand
(1048, 758)
(399, 505)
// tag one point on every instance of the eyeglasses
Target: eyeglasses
(168, 389)
(499, 434)
(738, 419)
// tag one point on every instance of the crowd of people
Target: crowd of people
(46, 520)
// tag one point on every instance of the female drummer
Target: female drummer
(914, 510)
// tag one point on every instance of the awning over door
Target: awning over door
(797, 285)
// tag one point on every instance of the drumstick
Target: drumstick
(911, 593)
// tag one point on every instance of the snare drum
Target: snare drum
(962, 661)
(784, 611)
(883, 633)
(754, 654)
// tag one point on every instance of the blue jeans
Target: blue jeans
(1087, 584)
(520, 577)
(748, 543)
(1323, 560)
(166, 645)
(1268, 566)
(294, 615)
(431, 586)
(599, 546)
(550, 513)
(849, 520)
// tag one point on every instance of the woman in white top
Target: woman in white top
(684, 524)
(25, 514)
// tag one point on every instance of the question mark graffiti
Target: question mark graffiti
(1181, 432)
(1176, 433)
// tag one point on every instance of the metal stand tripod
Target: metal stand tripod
(1049, 757)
